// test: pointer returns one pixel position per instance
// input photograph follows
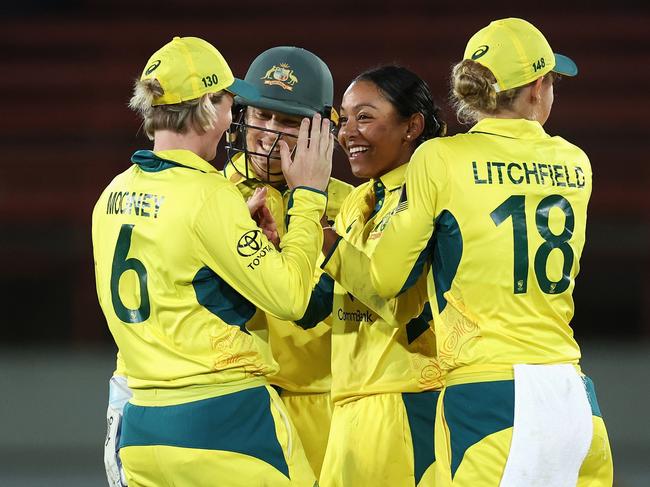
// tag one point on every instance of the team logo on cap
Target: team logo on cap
(282, 76)
(480, 52)
(152, 67)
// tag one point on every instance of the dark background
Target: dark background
(66, 72)
(65, 130)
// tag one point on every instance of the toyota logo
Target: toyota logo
(249, 243)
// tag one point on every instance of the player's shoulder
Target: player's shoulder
(439, 146)
(215, 185)
(576, 153)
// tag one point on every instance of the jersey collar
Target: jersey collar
(514, 128)
(235, 169)
(393, 179)
(151, 161)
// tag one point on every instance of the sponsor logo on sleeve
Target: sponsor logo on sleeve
(251, 244)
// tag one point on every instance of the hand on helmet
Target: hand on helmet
(312, 163)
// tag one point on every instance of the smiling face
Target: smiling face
(263, 141)
(372, 132)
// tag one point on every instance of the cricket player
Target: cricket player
(385, 376)
(185, 279)
(293, 83)
(499, 214)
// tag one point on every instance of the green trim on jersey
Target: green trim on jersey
(221, 299)
(287, 217)
(447, 252)
(240, 422)
(591, 395)
(421, 413)
(320, 303)
(148, 161)
(419, 324)
(494, 412)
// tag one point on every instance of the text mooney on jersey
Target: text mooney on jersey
(493, 172)
(130, 202)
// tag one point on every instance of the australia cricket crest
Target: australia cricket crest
(282, 76)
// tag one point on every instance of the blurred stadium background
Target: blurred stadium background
(65, 130)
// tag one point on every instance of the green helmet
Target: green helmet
(291, 80)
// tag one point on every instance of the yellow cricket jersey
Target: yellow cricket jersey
(500, 214)
(303, 355)
(378, 345)
(184, 276)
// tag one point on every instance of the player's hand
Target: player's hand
(312, 163)
(262, 216)
(266, 223)
(257, 201)
(119, 394)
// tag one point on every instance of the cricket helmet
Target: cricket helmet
(291, 81)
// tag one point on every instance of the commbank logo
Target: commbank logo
(480, 52)
(250, 243)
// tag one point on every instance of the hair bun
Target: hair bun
(473, 90)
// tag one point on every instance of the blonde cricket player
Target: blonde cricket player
(186, 277)
(499, 214)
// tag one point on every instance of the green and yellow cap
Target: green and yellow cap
(516, 52)
(188, 68)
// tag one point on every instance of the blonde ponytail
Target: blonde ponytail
(473, 92)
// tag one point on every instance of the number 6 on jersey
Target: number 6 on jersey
(120, 265)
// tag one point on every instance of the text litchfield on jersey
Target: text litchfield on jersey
(561, 175)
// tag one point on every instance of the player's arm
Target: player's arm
(320, 303)
(350, 267)
(405, 246)
(278, 282)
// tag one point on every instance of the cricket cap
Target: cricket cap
(188, 68)
(516, 52)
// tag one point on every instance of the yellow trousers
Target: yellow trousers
(383, 440)
(243, 439)
(474, 428)
(311, 414)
